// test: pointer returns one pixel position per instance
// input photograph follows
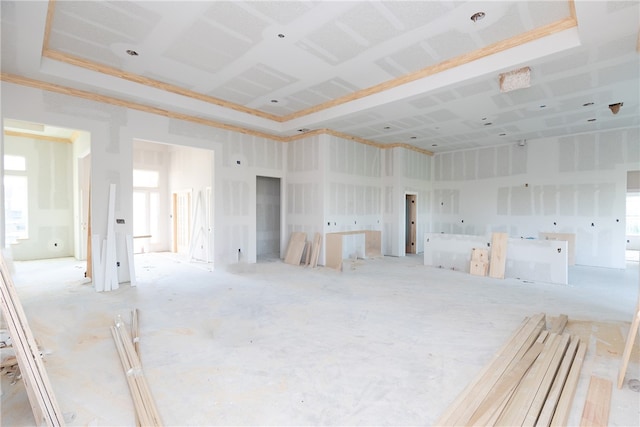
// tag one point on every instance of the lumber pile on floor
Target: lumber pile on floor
(530, 381)
(145, 407)
(36, 382)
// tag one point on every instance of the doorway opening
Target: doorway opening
(172, 200)
(410, 223)
(46, 191)
(268, 205)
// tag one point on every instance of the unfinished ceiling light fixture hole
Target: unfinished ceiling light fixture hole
(132, 52)
(615, 107)
(478, 16)
(516, 79)
(281, 36)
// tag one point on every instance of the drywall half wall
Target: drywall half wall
(574, 184)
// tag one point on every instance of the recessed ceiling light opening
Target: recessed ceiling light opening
(131, 52)
(274, 101)
(303, 130)
(591, 120)
(587, 104)
(503, 134)
(434, 145)
(414, 137)
(281, 35)
(488, 124)
(478, 16)
(386, 127)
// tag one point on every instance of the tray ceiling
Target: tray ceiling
(422, 73)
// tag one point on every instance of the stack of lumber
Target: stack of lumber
(145, 407)
(530, 381)
(36, 382)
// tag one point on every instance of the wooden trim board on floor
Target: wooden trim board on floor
(596, 407)
(34, 376)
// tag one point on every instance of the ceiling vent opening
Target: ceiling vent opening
(516, 79)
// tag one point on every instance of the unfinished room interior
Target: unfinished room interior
(320, 213)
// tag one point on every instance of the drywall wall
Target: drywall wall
(268, 217)
(304, 194)
(49, 175)
(573, 184)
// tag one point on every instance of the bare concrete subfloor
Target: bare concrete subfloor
(386, 342)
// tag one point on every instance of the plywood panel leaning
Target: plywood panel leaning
(498, 255)
(295, 249)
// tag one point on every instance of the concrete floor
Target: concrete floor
(386, 342)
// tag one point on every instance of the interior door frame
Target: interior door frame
(411, 222)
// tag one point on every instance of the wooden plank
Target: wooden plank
(551, 403)
(315, 252)
(39, 391)
(478, 268)
(498, 255)
(373, 243)
(516, 410)
(297, 241)
(480, 254)
(558, 324)
(546, 382)
(460, 412)
(563, 408)
(633, 332)
(596, 408)
(307, 253)
(505, 386)
(333, 252)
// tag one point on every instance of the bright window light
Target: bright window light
(145, 178)
(14, 163)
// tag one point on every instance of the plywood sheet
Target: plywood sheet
(333, 253)
(498, 255)
(296, 246)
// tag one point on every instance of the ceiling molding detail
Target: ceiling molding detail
(23, 81)
(535, 34)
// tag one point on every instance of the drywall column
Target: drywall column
(304, 188)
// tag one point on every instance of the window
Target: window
(145, 178)
(16, 199)
(633, 214)
(146, 203)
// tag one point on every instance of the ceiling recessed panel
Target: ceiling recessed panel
(230, 14)
(332, 44)
(281, 12)
(451, 44)
(569, 85)
(406, 60)
(413, 14)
